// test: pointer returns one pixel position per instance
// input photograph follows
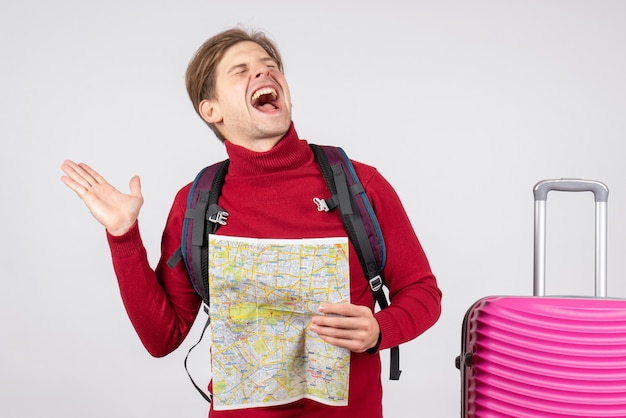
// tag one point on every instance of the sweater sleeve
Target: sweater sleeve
(161, 303)
(415, 298)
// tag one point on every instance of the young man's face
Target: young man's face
(252, 106)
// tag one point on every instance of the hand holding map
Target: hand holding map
(349, 326)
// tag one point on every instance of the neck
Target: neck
(288, 153)
(259, 145)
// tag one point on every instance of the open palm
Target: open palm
(115, 210)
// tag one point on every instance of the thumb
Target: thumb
(135, 187)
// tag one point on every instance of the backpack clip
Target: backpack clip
(321, 204)
(376, 283)
(216, 215)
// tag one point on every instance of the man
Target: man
(236, 84)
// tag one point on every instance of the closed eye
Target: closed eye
(240, 69)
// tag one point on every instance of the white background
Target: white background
(463, 106)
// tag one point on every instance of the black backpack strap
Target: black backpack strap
(175, 258)
(344, 185)
(202, 217)
(212, 218)
(207, 396)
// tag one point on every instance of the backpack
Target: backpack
(204, 217)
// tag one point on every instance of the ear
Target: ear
(210, 111)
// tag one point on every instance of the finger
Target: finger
(78, 174)
(72, 179)
(340, 338)
(343, 309)
(332, 330)
(97, 178)
(66, 166)
(357, 339)
(339, 342)
(69, 168)
(336, 322)
(135, 187)
(77, 188)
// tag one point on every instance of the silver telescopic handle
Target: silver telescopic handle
(601, 194)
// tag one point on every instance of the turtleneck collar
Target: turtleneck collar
(289, 153)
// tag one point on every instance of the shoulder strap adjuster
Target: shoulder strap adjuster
(217, 215)
(376, 283)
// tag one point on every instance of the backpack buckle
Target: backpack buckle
(376, 283)
(321, 204)
(219, 217)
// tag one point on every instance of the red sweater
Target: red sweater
(270, 195)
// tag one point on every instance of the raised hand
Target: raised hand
(113, 209)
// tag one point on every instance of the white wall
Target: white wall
(463, 106)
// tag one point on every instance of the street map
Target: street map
(263, 294)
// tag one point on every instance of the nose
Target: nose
(261, 70)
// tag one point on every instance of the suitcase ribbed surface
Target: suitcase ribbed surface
(546, 357)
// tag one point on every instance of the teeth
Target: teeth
(263, 91)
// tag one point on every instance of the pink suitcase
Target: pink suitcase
(539, 356)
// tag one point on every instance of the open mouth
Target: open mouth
(264, 99)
